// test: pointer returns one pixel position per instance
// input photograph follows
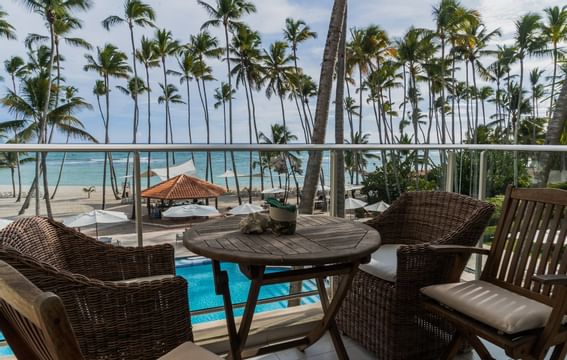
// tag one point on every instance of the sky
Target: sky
(185, 17)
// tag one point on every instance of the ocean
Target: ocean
(86, 169)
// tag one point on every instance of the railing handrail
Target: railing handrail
(269, 147)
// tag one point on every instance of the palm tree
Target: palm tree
(280, 135)
(537, 89)
(148, 57)
(203, 45)
(165, 46)
(110, 62)
(133, 89)
(170, 95)
(12, 161)
(51, 11)
(71, 127)
(17, 69)
(222, 96)
(187, 67)
(135, 13)
(313, 169)
(227, 13)
(554, 31)
(295, 33)
(277, 72)
(6, 29)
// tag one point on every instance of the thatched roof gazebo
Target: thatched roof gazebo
(184, 187)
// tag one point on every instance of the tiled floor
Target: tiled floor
(323, 350)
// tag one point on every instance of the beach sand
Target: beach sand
(72, 200)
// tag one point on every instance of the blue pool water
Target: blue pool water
(202, 295)
(199, 275)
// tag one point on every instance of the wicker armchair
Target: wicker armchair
(114, 315)
(387, 316)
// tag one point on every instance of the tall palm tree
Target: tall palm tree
(295, 33)
(227, 14)
(110, 62)
(71, 127)
(17, 69)
(277, 72)
(134, 88)
(554, 29)
(137, 13)
(170, 95)
(536, 88)
(313, 168)
(222, 96)
(528, 41)
(204, 45)
(6, 29)
(187, 66)
(148, 57)
(165, 46)
(50, 11)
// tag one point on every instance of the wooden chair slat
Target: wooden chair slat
(520, 243)
(538, 245)
(521, 276)
(557, 241)
(509, 240)
(548, 245)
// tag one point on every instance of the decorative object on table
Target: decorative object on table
(254, 223)
(95, 217)
(246, 209)
(283, 217)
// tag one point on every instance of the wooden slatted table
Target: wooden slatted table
(324, 246)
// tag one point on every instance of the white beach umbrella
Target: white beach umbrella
(351, 204)
(96, 217)
(4, 223)
(352, 187)
(191, 210)
(246, 209)
(227, 174)
(380, 206)
(273, 191)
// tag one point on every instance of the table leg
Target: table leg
(222, 288)
(331, 310)
(333, 329)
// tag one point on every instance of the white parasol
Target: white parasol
(95, 217)
(192, 210)
(246, 209)
(351, 204)
(380, 206)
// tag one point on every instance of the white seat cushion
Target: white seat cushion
(492, 305)
(188, 350)
(142, 279)
(383, 263)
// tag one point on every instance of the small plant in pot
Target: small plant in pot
(283, 217)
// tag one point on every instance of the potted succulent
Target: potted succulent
(283, 217)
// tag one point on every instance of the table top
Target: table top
(318, 240)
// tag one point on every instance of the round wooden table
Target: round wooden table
(325, 246)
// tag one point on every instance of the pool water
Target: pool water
(202, 295)
(199, 275)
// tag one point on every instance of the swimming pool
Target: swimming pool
(199, 275)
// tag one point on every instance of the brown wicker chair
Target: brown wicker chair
(387, 317)
(112, 315)
(36, 324)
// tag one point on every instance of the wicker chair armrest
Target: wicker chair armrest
(468, 233)
(551, 279)
(421, 265)
(457, 249)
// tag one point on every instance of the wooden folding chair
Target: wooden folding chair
(520, 301)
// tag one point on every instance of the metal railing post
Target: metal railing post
(482, 179)
(138, 199)
(451, 166)
(333, 183)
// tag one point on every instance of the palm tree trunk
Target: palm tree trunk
(12, 172)
(107, 123)
(313, 169)
(553, 135)
(224, 133)
(135, 95)
(250, 140)
(554, 79)
(166, 112)
(209, 158)
(60, 170)
(516, 123)
(189, 117)
(340, 120)
(149, 126)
